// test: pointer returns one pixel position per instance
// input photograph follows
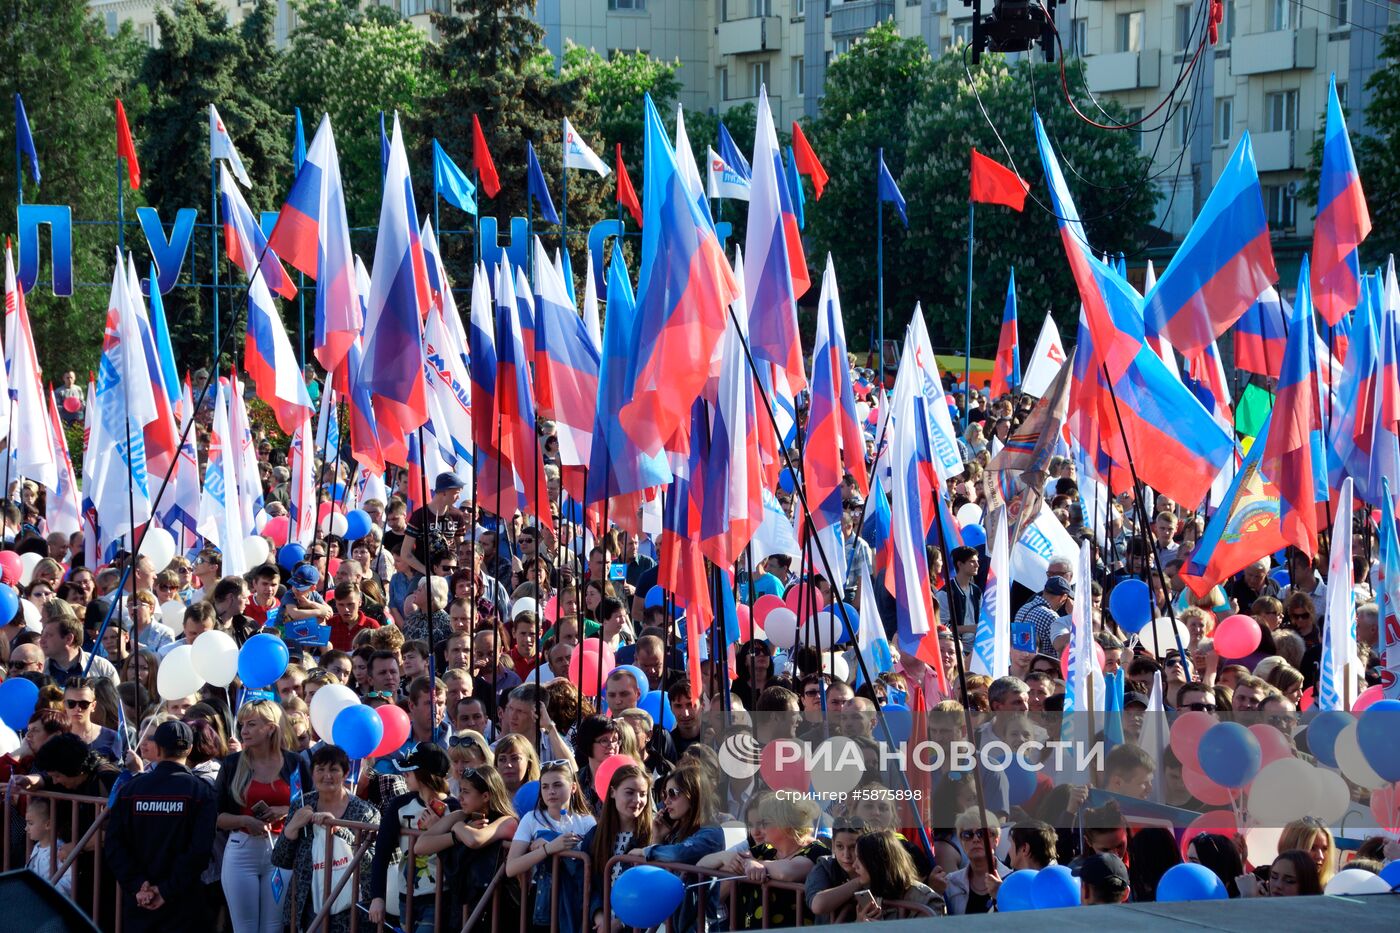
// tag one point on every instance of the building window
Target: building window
(1079, 36)
(1183, 27)
(1281, 205)
(799, 76)
(1342, 96)
(1181, 125)
(1280, 15)
(962, 33)
(1281, 111)
(842, 46)
(761, 7)
(722, 79)
(758, 77)
(1224, 120)
(627, 4)
(1227, 31)
(799, 8)
(1339, 12)
(148, 34)
(1130, 29)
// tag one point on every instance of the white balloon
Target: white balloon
(32, 620)
(261, 519)
(176, 677)
(1157, 636)
(1353, 763)
(522, 605)
(1331, 796)
(836, 666)
(823, 629)
(862, 412)
(27, 563)
(172, 614)
(1262, 843)
(256, 550)
(339, 525)
(9, 740)
(1281, 792)
(215, 657)
(158, 546)
(327, 704)
(781, 625)
(1357, 881)
(969, 514)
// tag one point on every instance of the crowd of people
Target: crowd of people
(228, 804)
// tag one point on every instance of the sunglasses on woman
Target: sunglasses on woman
(674, 792)
(77, 704)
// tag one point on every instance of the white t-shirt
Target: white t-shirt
(40, 863)
(539, 825)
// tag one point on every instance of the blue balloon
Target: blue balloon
(1230, 754)
(262, 659)
(643, 683)
(849, 618)
(658, 704)
(335, 490)
(9, 603)
(768, 584)
(1130, 605)
(1375, 733)
(1391, 873)
(1189, 881)
(289, 555)
(1322, 735)
(646, 896)
(357, 524)
(974, 535)
(1015, 892)
(900, 722)
(785, 481)
(655, 597)
(1279, 575)
(358, 730)
(1054, 886)
(527, 797)
(17, 698)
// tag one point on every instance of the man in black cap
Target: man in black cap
(1103, 879)
(160, 835)
(442, 520)
(1042, 612)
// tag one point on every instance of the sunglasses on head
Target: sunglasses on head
(558, 763)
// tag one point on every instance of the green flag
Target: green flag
(1253, 410)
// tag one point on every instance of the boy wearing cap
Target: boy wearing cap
(160, 835)
(1042, 612)
(439, 521)
(1103, 879)
(302, 601)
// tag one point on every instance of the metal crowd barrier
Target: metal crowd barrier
(91, 841)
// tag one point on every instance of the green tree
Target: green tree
(68, 71)
(889, 92)
(202, 60)
(613, 92)
(353, 62)
(491, 62)
(1377, 152)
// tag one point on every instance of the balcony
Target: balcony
(1123, 71)
(856, 17)
(1273, 152)
(1263, 52)
(747, 36)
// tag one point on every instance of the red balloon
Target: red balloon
(602, 778)
(1064, 659)
(802, 597)
(1186, 736)
(761, 606)
(1213, 821)
(1305, 701)
(1367, 697)
(277, 529)
(745, 616)
(10, 567)
(1385, 807)
(332, 565)
(587, 668)
(1273, 745)
(396, 726)
(1203, 788)
(72, 405)
(1237, 637)
(784, 766)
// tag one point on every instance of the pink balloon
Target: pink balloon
(1203, 788)
(602, 778)
(72, 405)
(745, 616)
(10, 567)
(1064, 659)
(1272, 744)
(1305, 701)
(761, 606)
(396, 727)
(551, 609)
(802, 597)
(1367, 697)
(277, 529)
(328, 508)
(1385, 807)
(586, 667)
(332, 565)
(1186, 736)
(1237, 637)
(1213, 821)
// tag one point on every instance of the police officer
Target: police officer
(160, 835)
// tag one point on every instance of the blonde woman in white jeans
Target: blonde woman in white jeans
(255, 795)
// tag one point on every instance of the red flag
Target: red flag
(994, 183)
(807, 162)
(126, 149)
(626, 194)
(482, 161)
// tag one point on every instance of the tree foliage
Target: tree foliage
(68, 71)
(613, 89)
(889, 92)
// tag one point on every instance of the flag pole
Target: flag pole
(300, 160)
(121, 211)
(214, 254)
(564, 214)
(476, 214)
(967, 333)
(880, 269)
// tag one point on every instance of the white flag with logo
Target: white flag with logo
(578, 155)
(724, 181)
(221, 147)
(1046, 360)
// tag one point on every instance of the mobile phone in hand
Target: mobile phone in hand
(863, 899)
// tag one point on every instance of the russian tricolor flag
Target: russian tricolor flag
(1342, 219)
(1006, 369)
(1261, 335)
(567, 362)
(244, 241)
